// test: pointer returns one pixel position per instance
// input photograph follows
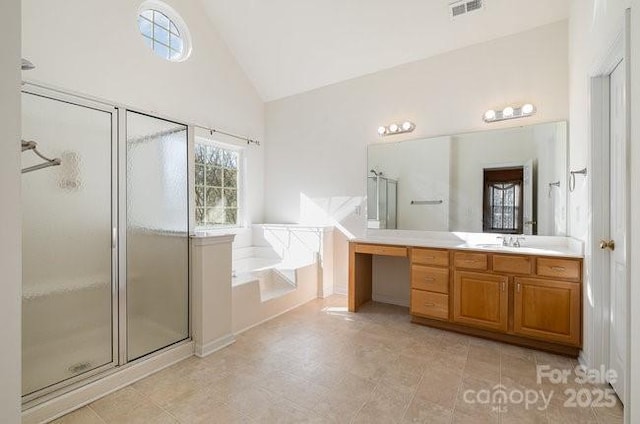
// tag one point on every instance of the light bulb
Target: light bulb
(407, 125)
(490, 115)
(382, 130)
(507, 112)
(394, 128)
(527, 109)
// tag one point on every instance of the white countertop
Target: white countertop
(531, 245)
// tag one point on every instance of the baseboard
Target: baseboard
(343, 291)
(207, 349)
(584, 360)
(381, 298)
(77, 398)
(323, 294)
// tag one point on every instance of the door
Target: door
(481, 300)
(68, 254)
(547, 310)
(157, 234)
(618, 228)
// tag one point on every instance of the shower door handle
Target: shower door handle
(114, 238)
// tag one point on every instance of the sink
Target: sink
(488, 246)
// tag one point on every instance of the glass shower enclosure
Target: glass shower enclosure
(157, 234)
(382, 203)
(105, 238)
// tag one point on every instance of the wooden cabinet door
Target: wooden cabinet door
(481, 300)
(547, 310)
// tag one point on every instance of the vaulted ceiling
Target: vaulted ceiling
(291, 46)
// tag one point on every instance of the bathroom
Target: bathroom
(199, 193)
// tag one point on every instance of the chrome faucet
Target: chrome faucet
(511, 241)
(516, 243)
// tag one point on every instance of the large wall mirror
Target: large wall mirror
(508, 181)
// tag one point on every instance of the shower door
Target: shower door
(68, 328)
(157, 234)
(105, 239)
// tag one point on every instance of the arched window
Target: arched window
(164, 31)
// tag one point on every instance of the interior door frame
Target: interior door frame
(599, 154)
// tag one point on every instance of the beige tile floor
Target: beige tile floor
(321, 364)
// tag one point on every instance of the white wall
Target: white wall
(320, 137)
(10, 267)
(593, 27)
(84, 46)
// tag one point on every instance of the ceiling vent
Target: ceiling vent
(464, 6)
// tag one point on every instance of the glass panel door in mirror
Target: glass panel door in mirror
(66, 243)
(157, 234)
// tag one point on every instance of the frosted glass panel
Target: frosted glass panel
(392, 200)
(372, 198)
(382, 202)
(157, 234)
(66, 243)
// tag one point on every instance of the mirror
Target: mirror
(507, 181)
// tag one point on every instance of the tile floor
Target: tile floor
(321, 364)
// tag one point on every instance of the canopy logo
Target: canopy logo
(499, 397)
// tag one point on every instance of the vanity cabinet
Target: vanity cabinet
(547, 310)
(430, 281)
(524, 299)
(481, 300)
(466, 260)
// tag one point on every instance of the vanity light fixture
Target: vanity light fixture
(490, 115)
(393, 129)
(509, 112)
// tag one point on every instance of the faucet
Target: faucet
(511, 242)
(505, 241)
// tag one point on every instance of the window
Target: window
(217, 185)
(164, 31)
(503, 200)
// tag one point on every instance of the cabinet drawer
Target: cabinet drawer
(430, 257)
(383, 250)
(559, 268)
(512, 264)
(470, 260)
(432, 279)
(428, 304)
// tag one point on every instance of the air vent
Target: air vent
(465, 6)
